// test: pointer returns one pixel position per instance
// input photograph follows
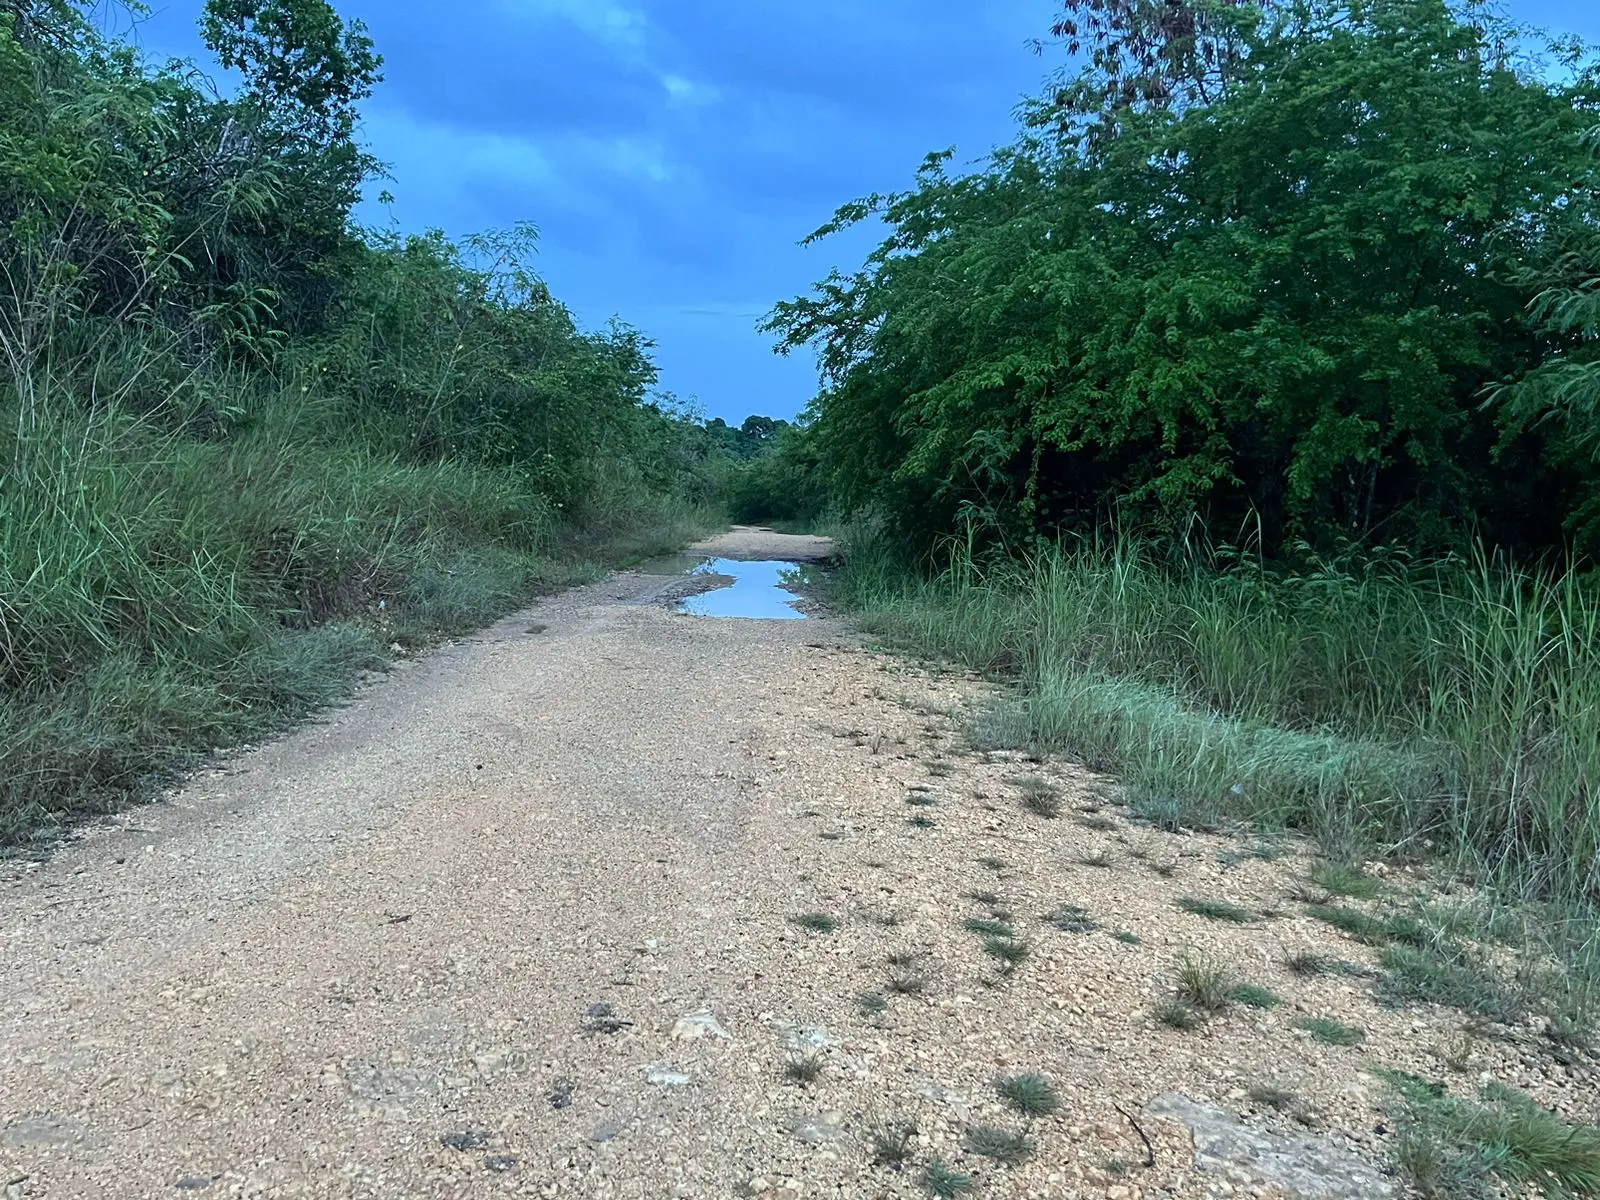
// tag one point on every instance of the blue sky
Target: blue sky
(674, 152)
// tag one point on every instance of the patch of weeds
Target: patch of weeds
(1102, 858)
(1177, 1016)
(1330, 1032)
(1253, 995)
(990, 928)
(1072, 918)
(1216, 910)
(1164, 867)
(1030, 1095)
(1002, 1145)
(1128, 937)
(1368, 929)
(1454, 1147)
(921, 822)
(1100, 824)
(939, 768)
(1346, 881)
(922, 800)
(1117, 1168)
(907, 981)
(983, 897)
(891, 1141)
(872, 1004)
(943, 1183)
(904, 958)
(994, 864)
(1309, 963)
(1437, 976)
(1203, 985)
(1010, 952)
(817, 922)
(1040, 798)
(804, 1068)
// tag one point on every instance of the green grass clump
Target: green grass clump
(1002, 1145)
(1253, 995)
(944, 1183)
(872, 1004)
(817, 922)
(1346, 881)
(1330, 1032)
(1309, 963)
(1455, 1147)
(1040, 798)
(1128, 937)
(1217, 910)
(805, 1068)
(1204, 986)
(921, 822)
(1367, 928)
(1449, 976)
(1073, 918)
(990, 928)
(1029, 1094)
(1177, 1016)
(1011, 952)
(921, 800)
(891, 1141)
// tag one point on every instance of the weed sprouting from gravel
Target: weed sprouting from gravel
(872, 1004)
(921, 822)
(817, 922)
(1344, 880)
(983, 897)
(1030, 1095)
(1177, 1016)
(1330, 1032)
(1203, 985)
(994, 864)
(1308, 963)
(922, 800)
(939, 768)
(904, 958)
(1128, 937)
(804, 1068)
(1451, 976)
(1216, 910)
(891, 1141)
(1253, 995)
(943, 1183)
(1072, 918)
(1040, 798)
(1102, 858)
(1164, 867)
(1098, 823)
(1372, 930)
(1002, 1145)
(1010, 952)
(907, 981)
(990, 928)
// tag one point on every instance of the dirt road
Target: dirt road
(521, 920)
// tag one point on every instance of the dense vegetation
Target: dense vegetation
(246, 447)
(1220, 410)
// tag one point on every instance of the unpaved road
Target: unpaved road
(444, 943)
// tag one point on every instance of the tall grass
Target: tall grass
(1452, 707)
(162, 595)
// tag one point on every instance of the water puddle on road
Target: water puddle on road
(758, 590)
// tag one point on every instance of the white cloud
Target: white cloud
(617, 24)
(688, 92)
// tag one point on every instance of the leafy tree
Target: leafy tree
(1274, 302)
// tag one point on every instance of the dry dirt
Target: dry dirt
(452, 941)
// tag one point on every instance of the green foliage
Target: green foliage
(1217, 910)
(1273, 306)
(1455, 1147)
(1330, 1032)
(1029, 1095)
(248, 448)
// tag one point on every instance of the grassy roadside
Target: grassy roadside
(162, 597)
(1445, 715)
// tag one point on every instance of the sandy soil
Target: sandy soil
(480, 933)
